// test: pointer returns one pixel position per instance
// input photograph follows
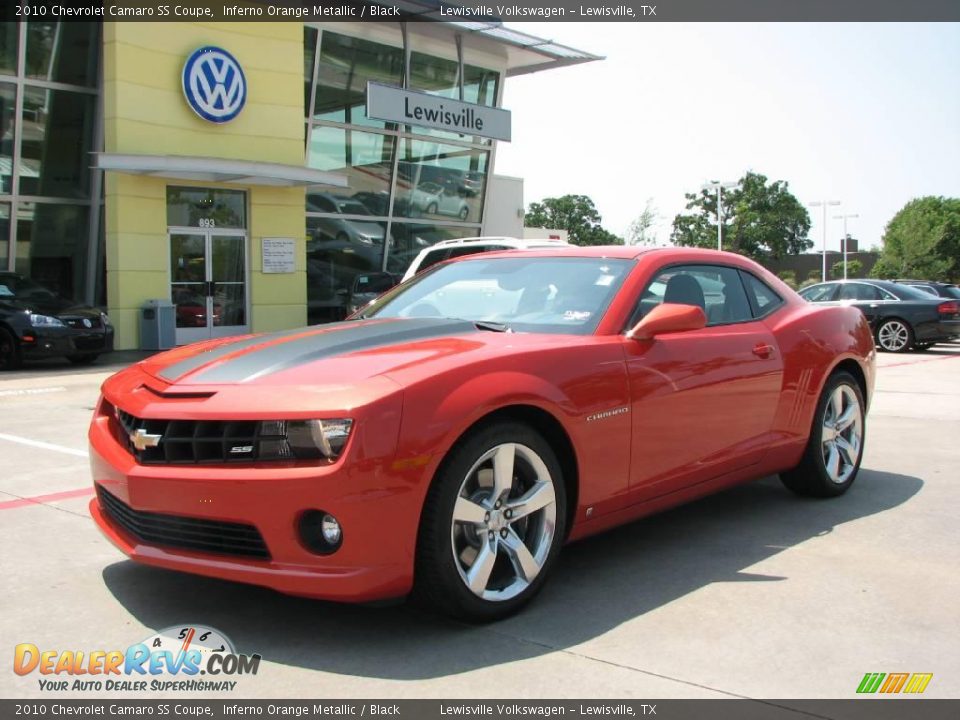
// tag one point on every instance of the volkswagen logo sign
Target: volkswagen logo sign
(214, 84)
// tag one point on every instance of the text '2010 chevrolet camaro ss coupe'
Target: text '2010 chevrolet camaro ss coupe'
(450, 437)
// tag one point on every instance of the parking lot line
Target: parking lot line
(919, 362)
(41, 499)
(42, 445)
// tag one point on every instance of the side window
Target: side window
(859, 291)
(764, 299)
(818, 293)
(717, 290)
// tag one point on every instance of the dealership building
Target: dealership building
(248, 171)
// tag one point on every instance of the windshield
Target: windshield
(23, 288)
(528, 294)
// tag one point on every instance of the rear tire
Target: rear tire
(894, 335)
(10, 355)
(493, 523)
(832, 457)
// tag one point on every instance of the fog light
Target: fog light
(320, 532)
(330, 529)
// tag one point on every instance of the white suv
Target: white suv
(447, 249)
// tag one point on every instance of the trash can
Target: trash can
(158, 325)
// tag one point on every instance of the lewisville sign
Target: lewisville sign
(408, 107)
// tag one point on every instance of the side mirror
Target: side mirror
(668, 318)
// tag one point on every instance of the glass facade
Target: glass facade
(408, 187)
(48, 118)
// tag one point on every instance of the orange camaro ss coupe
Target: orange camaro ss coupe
(450, 437)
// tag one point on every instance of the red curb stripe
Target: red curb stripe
(41, 499)
(919, 362)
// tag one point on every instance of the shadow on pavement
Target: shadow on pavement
(598, 584)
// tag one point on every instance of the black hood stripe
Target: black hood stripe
(179, 369)
(335, 339)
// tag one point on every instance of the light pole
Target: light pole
(845, 238)
(824, 204)
(719, 187)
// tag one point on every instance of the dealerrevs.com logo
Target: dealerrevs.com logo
(176, 659)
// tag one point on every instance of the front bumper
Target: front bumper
(40, 343)
(377, 507)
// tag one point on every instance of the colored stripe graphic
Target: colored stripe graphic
(894, 683)
(918, 683)
(870, 682)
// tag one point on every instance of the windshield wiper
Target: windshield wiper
(492, 326)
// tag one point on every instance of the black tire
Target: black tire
(82, 359)
(464, 213)
(342, 237)
(10, 356)
(811, 477)
(432, 209)
(894, 327)
(440, 571)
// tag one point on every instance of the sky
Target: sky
(864, 113)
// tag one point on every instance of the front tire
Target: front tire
(493, 523)
(832, 457)
(10, 356)
(894, 335)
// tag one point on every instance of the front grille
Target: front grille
(77, 323)
(174, 531)
(190, 442)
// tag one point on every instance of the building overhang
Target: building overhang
(218, 170)
(525, 53)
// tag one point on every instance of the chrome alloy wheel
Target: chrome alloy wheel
(841, 437)
(893, 336)
(504, 522)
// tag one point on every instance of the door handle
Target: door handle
(763, 350)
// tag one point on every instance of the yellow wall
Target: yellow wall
(145, 113)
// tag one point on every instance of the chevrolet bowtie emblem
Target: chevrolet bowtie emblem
(142, 440)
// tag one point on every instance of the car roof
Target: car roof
(496, 240)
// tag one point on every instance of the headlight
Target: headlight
(45, 321)
(303, 439)
(105, 320)
(365, 239)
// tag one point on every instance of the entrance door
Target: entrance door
(208, 283)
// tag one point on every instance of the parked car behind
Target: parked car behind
(937, 289)
(36, 323)
(459, 247)
(901, 317)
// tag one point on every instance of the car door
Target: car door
(870, 299)
(702, 401)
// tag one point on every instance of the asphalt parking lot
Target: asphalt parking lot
(751, 593)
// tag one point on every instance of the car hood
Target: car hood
(335, 355)
(58, 307)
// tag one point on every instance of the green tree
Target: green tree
(574, 213)
(643, 230)
(761, 220)
(922, 241)
(789, 277)
(854, 269)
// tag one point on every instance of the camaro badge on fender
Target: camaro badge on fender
(607, 414)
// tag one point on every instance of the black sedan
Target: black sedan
(36, 323)
(902, 317)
